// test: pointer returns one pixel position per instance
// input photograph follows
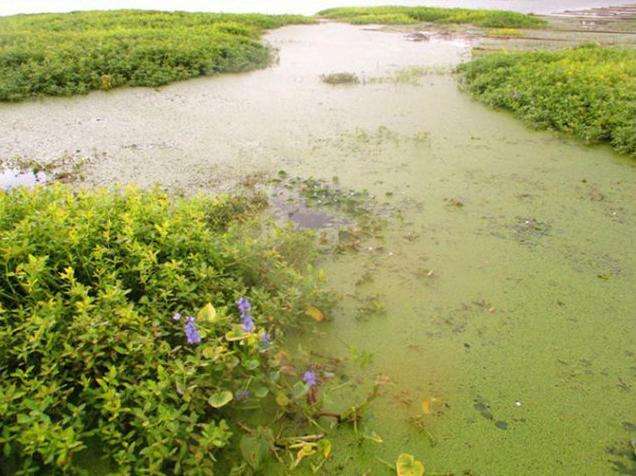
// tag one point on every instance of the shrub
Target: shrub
(587, 91)
(91, 353)
(406, 15)
(73, 53)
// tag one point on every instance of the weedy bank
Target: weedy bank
(73, 53)
(145, 326)
(408, 15)
(587, 91)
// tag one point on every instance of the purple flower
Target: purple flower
(248, 323)
(176, 316)
(309, 377)
(191, 331)
(243, 306)
(242, 395)
(266, 340)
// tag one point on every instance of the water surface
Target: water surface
(12, 178)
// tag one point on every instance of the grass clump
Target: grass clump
(73, 53)
(587, 91)
(340, 78)
(92, 351)
(407, 15)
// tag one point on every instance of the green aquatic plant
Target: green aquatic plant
(588, 91)
(407, 465)
(74, 53)
(340, 78)
(141, 326)
(408, 15)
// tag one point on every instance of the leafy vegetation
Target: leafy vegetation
(142, 325)
(587, 91)
(407, 15)
(73, 53)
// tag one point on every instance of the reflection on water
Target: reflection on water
(12, 178)
(305, 7)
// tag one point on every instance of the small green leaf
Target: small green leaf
(232, 362)
(220, 399)
(282, 399)
(251, 364)
(324, 446)
(261, 392)
(407, 465)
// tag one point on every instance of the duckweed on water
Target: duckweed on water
(73, 53)
(408, 15)
(588, 91)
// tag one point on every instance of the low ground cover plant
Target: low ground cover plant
(407, 15)
(587, 91)
(140, 326)
(73, 53)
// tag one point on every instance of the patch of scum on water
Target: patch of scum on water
(512, 315)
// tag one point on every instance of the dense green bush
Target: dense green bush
(73, 53)
(91, 354)
(588, 91)
(405, 15)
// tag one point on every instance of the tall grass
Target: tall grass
(73, 53)
(406, 15)
(587, 91)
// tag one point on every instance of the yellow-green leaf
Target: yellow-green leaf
(315, 313)
(282, 399)
(325, 448)
(235, 334)
(407, 465)
(220, 399)
(207, 313)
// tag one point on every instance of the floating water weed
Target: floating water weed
(340, 78)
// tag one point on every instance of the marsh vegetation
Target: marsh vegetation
(74, 53)
(410, 15)
(588, 91)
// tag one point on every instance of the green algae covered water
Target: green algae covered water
(508, 288)
(497, 307)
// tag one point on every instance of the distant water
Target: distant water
(306, 7)
(11, 178)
